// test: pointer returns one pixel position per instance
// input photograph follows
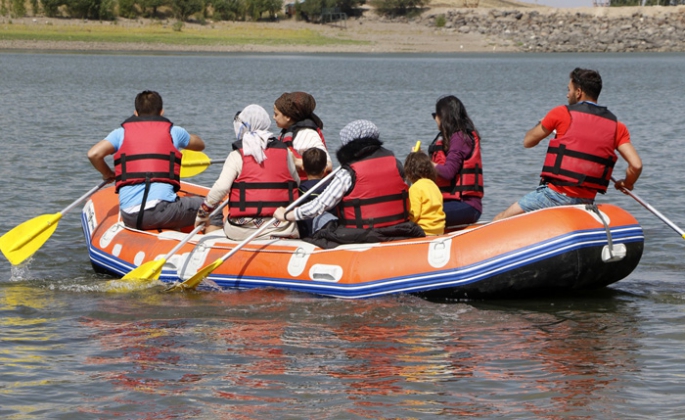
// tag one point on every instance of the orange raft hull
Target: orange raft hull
(545, 252)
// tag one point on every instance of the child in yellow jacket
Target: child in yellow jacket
(424, 196)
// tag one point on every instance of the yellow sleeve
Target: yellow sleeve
(415, 203)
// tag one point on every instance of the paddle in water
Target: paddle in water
(24, 240)
(654, 211)
(151, 270)
(194, 281)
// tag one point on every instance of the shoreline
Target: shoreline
(466, 30)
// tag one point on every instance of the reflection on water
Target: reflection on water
(259, 352)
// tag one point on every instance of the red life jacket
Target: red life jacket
(584, 156)
(288, 135)
(147, 153)
(261, 188)
(379, 195)
(468, 182)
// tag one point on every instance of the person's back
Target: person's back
(369, 193)
(314, 162)
(425, 198)
(259, 175)
(580, 158)
(261, 187)
(379, 195)
(147, 164)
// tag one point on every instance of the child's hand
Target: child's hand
(417, 147)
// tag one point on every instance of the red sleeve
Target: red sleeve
(622, 134)
(557, 119)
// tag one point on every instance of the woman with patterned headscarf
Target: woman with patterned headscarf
(300, 126)
(259, 175)
(369, 194)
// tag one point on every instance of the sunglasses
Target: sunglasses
(434, 115)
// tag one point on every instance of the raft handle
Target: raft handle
(610, 253)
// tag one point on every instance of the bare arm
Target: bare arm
(634, 168)
(196, 143)
(97, 155)
(535, 135)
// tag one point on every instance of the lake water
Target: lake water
(70, 350)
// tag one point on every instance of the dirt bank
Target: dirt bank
(482, 29)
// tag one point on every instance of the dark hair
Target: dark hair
(418, 165)
(314, 161)
(589, 81)
(149, 102)
(453, 119)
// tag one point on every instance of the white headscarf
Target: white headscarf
(252, 127)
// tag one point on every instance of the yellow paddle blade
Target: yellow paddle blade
(417, 147)
(151, 270)
(194, 281)
(193, 163)
(24, 240)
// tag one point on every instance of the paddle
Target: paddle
(24, 240)
(194, 281)
(151, 270)
(194, 163)
(653, 210)
(417, 146)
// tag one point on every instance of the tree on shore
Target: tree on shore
(131, 9)
(91, 9)
(228, 9)
(398, 7)
(313, 9)
(183, 9)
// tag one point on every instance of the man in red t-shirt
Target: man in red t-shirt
(586, 137)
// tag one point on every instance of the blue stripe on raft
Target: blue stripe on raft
(401, 284)
(444, 278)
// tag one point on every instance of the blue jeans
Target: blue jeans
(544, 197)
(459, 213)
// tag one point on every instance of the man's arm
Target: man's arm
(97, 155)
(195, 143)
(535, 135)
(634, 168)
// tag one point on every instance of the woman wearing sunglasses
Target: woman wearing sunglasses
(455, 152)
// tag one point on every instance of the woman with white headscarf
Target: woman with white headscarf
(369, 194)
(259, 175)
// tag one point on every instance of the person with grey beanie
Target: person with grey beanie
(369, 194)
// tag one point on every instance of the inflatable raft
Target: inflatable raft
(545, 252)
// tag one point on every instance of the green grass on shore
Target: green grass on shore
(159, 33)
